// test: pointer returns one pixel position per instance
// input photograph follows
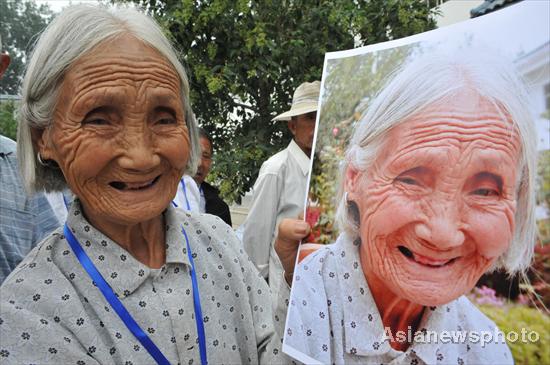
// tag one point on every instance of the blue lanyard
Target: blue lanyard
(184, 195)
(65, 202)
(196, 303)
(124, 315)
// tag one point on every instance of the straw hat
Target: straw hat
(304, 100)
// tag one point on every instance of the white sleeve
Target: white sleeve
(259, 226)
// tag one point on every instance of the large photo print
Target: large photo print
(425, 182)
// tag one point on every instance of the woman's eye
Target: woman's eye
(165, 121)
(407, 180)
(486, 192)
(96, 121)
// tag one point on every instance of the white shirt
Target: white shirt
(333, 318)
(188, 192)
(279, 192)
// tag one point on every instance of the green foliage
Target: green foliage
(21, 22)
(8, 123)
(515, 318)
(351, 83)
(245, 58)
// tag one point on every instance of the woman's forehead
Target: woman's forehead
(123, 54)
(460, 121)
(114, 66)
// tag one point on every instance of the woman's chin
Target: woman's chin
(127, 215)
(431, 295)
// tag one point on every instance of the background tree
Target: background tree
(21, 22)
(245, 58)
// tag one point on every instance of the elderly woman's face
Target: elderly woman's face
(119, 133)
(437, 207)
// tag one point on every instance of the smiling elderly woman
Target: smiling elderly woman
(437, 189)
(130, 279)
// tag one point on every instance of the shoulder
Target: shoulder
(311, 275)
(38, 284)
(36, 303)
(7, 145)
(37, 265)
(210, 234)
(276, 163)
(487, 341)
(208, 224)
(207, 188)
(471, 317)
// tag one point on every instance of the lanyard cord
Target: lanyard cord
(65, 202)
(124, 315)
(196, 303)
(184, 195)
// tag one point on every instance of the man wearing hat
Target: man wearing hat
(280, 190)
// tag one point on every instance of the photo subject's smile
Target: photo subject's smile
(134, 185)
(426, 261)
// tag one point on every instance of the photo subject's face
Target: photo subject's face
(119, 133)
(437, 206)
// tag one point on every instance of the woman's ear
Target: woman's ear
(353, 177)
(42, 141)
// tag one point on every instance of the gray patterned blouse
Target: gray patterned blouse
(333, 319)
(52, 313)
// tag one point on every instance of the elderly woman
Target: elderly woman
(437, 189)
(130, 279)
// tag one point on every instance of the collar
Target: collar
(300, 157)
(363, 329)
(364, 333)
(107, 254)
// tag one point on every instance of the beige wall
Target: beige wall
(455, 11)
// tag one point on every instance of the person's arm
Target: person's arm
(259, 226)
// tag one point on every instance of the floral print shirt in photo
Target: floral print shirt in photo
(333, 319)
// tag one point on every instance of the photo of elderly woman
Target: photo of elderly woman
(436, 188)
(129, 279)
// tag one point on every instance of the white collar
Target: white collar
(299, 156)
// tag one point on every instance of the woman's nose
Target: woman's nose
(442, 230)
(139, 153)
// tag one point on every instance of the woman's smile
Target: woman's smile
(426, 261)
(134, 185)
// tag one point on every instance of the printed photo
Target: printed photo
(430, 183)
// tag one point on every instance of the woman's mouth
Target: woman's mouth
(424, 260)
(125, 186)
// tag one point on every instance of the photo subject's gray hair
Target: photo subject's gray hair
(70, 36)
(430, 78)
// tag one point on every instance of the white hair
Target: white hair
(424, 81)
(70, 36)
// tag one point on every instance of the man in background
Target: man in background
(280, 190)
(24, 220)
(210, 201)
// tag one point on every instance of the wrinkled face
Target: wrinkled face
(437, 206)
(205, 162)
(302, 128)
(119, 133)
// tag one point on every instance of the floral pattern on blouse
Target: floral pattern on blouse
(52, 313)
(333, 319)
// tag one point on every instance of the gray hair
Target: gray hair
(70, 36)
(425, 80)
